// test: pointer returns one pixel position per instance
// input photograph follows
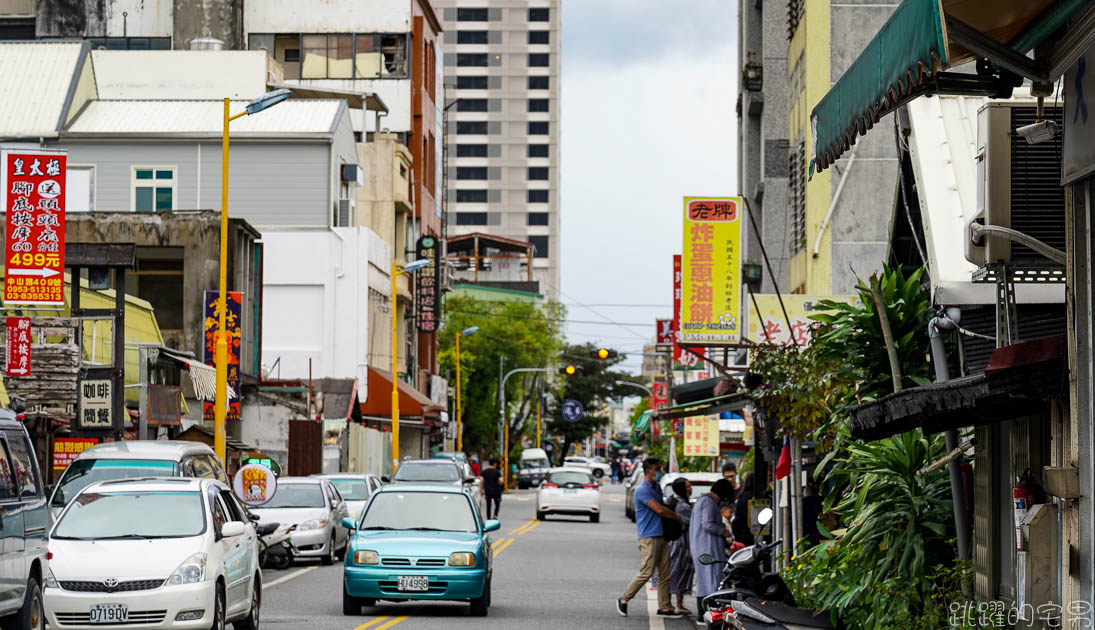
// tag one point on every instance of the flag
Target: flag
(783, 467)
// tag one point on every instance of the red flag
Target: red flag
(783, 467)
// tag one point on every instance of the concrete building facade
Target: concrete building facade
(502, 68)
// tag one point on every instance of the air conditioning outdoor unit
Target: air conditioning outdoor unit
(1018, 185)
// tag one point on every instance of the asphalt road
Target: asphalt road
(562, 573)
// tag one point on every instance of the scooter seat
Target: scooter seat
(783, 613)
(266, 528)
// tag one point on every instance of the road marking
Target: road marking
(526, 524)
(285, 578)
(528, 529)
(501, 547)
(615, 500)
(392, 623)
(371, 623)
(387, 625)
(656, 622)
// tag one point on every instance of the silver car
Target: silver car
(315, 506)
(355, 489)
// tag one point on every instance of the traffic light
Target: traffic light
(569, 370)
(603, 353)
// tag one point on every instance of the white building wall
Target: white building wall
(142, 18)
(327, 16)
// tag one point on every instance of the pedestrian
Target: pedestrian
(730, 473)
(492, 488)
(680, 557)
(614, 466)
(653, 550)
(740, 524)
(475, 465)
(811, 512)
(707, 534)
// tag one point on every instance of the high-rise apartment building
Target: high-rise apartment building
(502, 92)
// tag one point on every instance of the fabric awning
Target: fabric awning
(906, 58)
(411, 401)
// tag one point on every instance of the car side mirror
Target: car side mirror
(349, 523)
(764, 516)
(386, 479)
(492, 525)
(469, 480)
(231, 529)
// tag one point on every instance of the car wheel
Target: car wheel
(32, 615)
(252, 620)
(594, 518)
(218, 610)
(598, 473)
(329, 558)
(480, 604)
(350, 605)
(540, 515)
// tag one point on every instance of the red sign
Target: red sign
(33, 196)
(713, 210)
(665, 332)
(681, 360)
(17, 352)
(661, 395)
(66, 449)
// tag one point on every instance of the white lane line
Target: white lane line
(656, 622)
(285, 578)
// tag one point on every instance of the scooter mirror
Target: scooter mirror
(706, 558)
(764, 516)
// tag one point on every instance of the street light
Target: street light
(459, 432)
(396, 271)
(220, 401)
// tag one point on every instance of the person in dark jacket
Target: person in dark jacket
(740, 525)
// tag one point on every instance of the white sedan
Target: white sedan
(569, 491)
(597, 468)
(154, 553)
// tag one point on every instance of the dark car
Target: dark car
(24, 524)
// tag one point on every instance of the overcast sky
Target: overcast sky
(648, 96)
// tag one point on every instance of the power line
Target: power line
(548, 319)
(598, 313)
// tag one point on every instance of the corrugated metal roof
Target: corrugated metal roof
(34, 82)
(204, 117)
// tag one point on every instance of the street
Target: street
(560, 573)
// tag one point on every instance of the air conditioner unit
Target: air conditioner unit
(1018, 184)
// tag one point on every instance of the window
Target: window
(538, 60)
(537, 129)
(158, 279)
(541, 245)
(337, 56)
(538, 150)
(153, 189)
(539, 15)
(471, 59)
(538, 104)
(471, 105)
(471, 218)
(123, 43)
(431, 68)
(471, 150)
(471, 83)
(471, 196)
(471, 37)
(471, 172)
(537, 172)
(26, 482)
(472, 15)
(80, 191)
(537, 196)
(537, 218)
(539, 83)
(539, 37)
(471, 127)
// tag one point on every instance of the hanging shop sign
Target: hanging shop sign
(665, 332)
(17, 348)
(682, 360)
(255, 484)
(770, 326)
(66, 449)
(711, 275)
(428, 299)
(96, 401)
(32, 193)
(233, 323)
(701, 436)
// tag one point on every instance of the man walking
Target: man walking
(492, 488)
(653, 550)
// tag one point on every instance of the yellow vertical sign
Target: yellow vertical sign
(711, 282)
(701, 436)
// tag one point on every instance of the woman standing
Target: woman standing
(707, 534)
(680, 558)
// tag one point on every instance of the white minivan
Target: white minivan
(533, 468)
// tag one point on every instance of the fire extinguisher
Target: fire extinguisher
(1023, 496)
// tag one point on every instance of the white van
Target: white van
(533, 468)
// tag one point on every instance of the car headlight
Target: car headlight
(318, 523)
(462, 559)
(51, 582)
(191, 571)
(366, 556)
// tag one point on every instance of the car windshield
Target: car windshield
(575, 460)
(534, 463)
(352, 489)
(563, 478)
(296, 495)
(428, 511)
(416, 471)
(100, 515)
(82, 473)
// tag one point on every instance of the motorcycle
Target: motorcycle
(276, 548)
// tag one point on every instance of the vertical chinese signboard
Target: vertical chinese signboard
(33, 196)
(681, 360)
(429, 302)
(711, 274)
(665, 334)
(233, 322)
(96, 401)
(17, 350)
(770, 326)
(701, 436)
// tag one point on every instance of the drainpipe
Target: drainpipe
(947, 322)
(836, 198)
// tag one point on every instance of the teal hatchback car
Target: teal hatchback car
(418, 542)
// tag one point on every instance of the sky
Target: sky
(648, 95)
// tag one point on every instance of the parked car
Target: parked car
(165, 553)
(701, 482)
(533, 468)
(633, 481)
(439, 471)
(132, 459)
(424, 542)
(598, 469)
(453, 455)
(354, 488)
(314, 505)
(569, 491)
(24, 521)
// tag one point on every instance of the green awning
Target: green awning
(643, 422)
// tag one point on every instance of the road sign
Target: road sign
(572, 411)
(17, 349)
(32, 193)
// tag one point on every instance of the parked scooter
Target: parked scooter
(276, 549)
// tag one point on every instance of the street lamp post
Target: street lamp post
(504, 420)
(220, 401)
(396, 271)
(459, 429)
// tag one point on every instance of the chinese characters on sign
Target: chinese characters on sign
(770, 326)
(701, 436)
(32, 194)
(426, 289)
(681, 360)
(665, 334)
(66, 449)
(96, 397)
(711, 280)
(660, 396)
(233, 322)
(18, 346)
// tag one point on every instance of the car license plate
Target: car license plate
(109, 613)
(418, 583)
(570, 492)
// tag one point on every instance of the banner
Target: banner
(66, 449)
(17, 330)
(770, 326)
(701, 436)
(33, 196)
(428, 304)
(711, 278)
(681, 360)
(233, 322)
(664, 335)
